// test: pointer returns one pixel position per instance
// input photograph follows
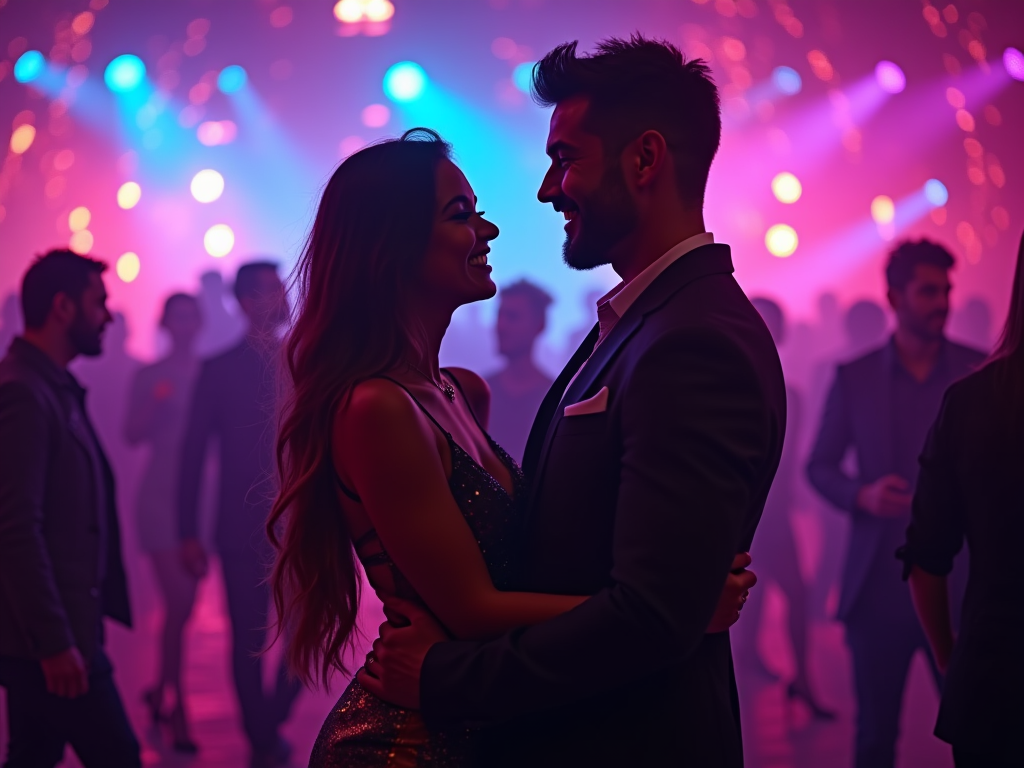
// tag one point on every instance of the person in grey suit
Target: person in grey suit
(881, 405)
(60, 549)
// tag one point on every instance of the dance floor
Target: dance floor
(777, 733)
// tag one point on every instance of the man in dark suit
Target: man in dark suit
(650, 459)
(233, 401)
(881, 405)
(60, 547)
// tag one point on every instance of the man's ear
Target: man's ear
(63, 309)
(651, 156)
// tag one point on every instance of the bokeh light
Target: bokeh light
(786, 187)
(81, 242)
(405, 81)
(522, 76)
(128, 195)
(375, 116)
(355, 11)
(22, 138)
(781, 240)
(1013, 61)
(214, 132)
(124, 73)
(935, 192)
(883, 210)
(219, 240)
(348, 11)
(232, 79)
(890, 77)
(79, 218)
(378, 10)
(128, 266)
(29, 66)
(787, 80)
(207, 186)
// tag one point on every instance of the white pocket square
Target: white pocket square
(596, 404)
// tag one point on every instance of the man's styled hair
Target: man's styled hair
(57, 271)
(538, 299)
(908, 254)
(246, 278)
(638, 85)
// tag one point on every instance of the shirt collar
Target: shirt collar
(941, 361)
(622, 296)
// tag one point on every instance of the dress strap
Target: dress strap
(420, 405)
(469, 405)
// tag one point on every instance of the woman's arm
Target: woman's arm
(930, 594)
(386, 450)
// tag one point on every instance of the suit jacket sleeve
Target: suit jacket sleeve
(824, 468)
(201, 424)
(26, 573)
(696, 432)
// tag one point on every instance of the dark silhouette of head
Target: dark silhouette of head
(261, 295)
(633, 124)
(864, 324)
(773, 316)
(522, 317)
(918, 278)
(63, 293)
(396, 236)
(182, 318)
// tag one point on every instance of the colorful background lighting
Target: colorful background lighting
(29, 66)
(781, 240)
(786, 187)
(935, 192)
(1013, 61)
(890, 77)
(125, 73)
(232, 79)
(405, 81)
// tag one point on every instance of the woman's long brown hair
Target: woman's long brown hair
(370, 234)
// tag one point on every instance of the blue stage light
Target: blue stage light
(29, 66)
(124, 73)
(522, 76)
(787, 80)
(935, 192)
(232, 79)
(405, 81)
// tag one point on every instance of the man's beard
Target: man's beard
(610, 216)
(922, 328)
(86, 339)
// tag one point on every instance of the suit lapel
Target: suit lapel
(708, 259)
(550, 402)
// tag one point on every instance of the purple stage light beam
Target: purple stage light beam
(1013, 61)
(890, 77)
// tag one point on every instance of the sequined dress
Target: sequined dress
(363, 731)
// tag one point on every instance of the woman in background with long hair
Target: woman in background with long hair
(971, 487)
